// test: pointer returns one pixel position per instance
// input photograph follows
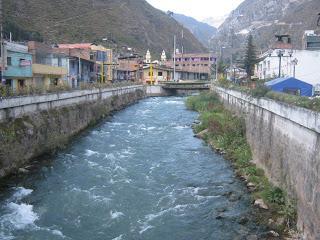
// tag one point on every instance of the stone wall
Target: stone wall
(285, 142)
(32, 126)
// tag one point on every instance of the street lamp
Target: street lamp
(294, 63)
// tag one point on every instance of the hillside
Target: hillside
(265, 18)
(134, 23)
(202, 31)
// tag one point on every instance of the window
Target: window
(21, 83)
(9, 61)
(160, 74)
(268, 65)
(9, 82)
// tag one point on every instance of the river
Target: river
(138, 175)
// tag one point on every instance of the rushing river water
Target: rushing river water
(141, 175)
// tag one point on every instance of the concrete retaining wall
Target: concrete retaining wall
(285, 141)
(32, 126)
(19, 106)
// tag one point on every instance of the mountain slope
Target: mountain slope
(128, 22)
(265, 18)
(202, 31)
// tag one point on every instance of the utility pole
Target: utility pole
(2, 44)
(174, 58)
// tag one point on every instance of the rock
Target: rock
(243, 220)
(202, 134)
(251, 187)
(270, 221)
(197, 122)
(273, 234)
(260, 204)
(23, 170)
(219, 217)
(280, 221)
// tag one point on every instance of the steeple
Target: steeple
(163, 56)
(148, 57)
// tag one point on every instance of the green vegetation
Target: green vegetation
(250, 57)
(262, 91)
(227, 134)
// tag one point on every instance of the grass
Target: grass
(262, 91)
(227, 132)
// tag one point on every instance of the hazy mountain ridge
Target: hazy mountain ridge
(202, 31)
(128, 22)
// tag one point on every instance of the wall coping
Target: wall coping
(44, 98)
(302, 116)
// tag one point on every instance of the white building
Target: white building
(302, 64)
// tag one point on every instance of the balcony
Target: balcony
(48, 70)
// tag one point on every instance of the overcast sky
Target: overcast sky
(199, 9)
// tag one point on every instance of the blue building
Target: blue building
(292, 86)
(18, 71)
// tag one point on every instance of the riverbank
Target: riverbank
(120, 180)
(35, 125)
(226, 133)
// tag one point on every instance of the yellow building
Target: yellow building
(46, 75)
(48, 68)
(153, 74)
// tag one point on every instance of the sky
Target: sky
(199, 9)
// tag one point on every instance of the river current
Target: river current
(138, 175)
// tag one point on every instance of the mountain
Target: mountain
(202, 31)
(215, 21)
(266, 18)
(133, 23)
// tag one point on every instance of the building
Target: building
(128, 68)
(18, 66)
(154, 74)
(291, 85)
(81, 62)
(193, 66)
(104, 62)
(302, 64)
(48, 68)
(284, 61)
(311, 40)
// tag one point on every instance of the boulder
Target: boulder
(260, 204)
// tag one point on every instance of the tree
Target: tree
(250, 57)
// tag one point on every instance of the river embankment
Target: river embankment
(31, 126)
(226, 133)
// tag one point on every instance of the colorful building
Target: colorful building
(18, 66)
(193, 66)
(48, 68)
(104, 62)
(81, 63)
(154, 74)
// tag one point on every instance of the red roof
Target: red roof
(75, 45)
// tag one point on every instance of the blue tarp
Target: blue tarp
(291, 85)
